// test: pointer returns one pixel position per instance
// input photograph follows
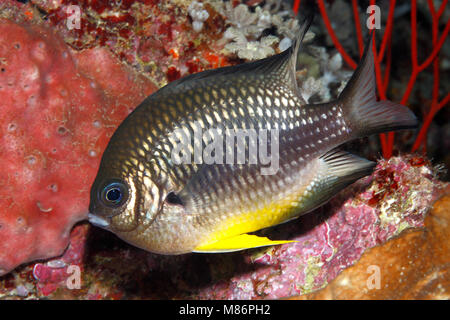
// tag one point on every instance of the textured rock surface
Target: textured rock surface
(415, 265)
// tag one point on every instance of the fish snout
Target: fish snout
(98, 221)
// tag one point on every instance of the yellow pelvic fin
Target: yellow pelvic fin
(240, 242)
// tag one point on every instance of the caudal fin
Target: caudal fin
(367, 115)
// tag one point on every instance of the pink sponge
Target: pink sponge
(58, 109)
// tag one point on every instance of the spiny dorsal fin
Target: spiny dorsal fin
(282, 64)
(295, 48)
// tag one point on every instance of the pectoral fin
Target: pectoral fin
(240, 242)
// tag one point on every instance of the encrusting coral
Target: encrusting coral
(244, 34)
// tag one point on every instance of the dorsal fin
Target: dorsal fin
(295, 48)
(282, 64)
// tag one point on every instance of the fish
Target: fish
(153, 191)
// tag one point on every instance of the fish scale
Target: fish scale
(149, 200)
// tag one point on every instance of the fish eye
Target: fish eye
(114, 194)
(173, 198)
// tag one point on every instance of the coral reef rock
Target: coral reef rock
(416, 265)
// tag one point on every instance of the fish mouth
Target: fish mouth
(98, 221)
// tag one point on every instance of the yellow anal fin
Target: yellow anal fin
(240, 242)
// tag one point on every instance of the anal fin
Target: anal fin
(240, 242)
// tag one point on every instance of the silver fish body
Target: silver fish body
(146, 198)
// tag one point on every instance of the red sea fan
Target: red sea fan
(383, 56)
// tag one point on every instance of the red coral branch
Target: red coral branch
(296, 6)
(435, 104)
(421, 137)
(387, 141)
(358, 27)
(387, 37)
(441, 9)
